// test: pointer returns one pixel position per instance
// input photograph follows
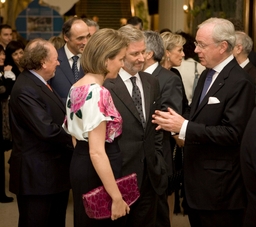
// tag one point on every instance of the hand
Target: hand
(119, 209)
(169, 121)
(9, 75)
(8, 68)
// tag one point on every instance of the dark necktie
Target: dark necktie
(136, 96)
(74, 68)
(207, 83)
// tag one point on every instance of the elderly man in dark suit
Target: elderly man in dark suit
(241, 51)
(76, 34)
(42, 150)
(213, 130)
(140, 144)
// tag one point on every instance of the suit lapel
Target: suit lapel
(146, 91)
(157, 71)
(51, 94)
(216, 86)
(122, 93)
(65, 66)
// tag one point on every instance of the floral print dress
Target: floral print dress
(87, 106)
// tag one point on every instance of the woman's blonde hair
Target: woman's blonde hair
(171, 40)
(104, 44)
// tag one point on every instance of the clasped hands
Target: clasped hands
(168, 121)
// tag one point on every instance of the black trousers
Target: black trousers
(162, 218)
(143, 212)
(43, 210)
(215, 218)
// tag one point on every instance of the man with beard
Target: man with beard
(140, 144)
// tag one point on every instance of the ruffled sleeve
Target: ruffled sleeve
(87, 106)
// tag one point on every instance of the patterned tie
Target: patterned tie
(207, 83)
(74, 68)
(136, 96)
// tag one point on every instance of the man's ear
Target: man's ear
(149, 54)
(239, 48)
(65, 38)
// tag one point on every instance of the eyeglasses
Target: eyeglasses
(202, 46)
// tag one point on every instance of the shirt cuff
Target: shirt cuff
(183, 130)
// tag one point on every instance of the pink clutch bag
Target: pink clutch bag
(97, 202)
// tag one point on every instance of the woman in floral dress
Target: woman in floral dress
(95, 125)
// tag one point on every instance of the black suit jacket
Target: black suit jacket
(64, 77)
(41, 154)
(138, 145)
(248, 165)
(212, 173)
(171, 96)
(251, 70)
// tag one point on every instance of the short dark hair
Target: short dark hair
(135, 21)
(9, 50)
(4, 26)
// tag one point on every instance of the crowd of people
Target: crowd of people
(82, 110)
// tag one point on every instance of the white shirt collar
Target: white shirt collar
(126, 76)
(243, 64)
(218, 68)
(69, 53)
(151, 68)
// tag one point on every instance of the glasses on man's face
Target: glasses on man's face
(202, 45)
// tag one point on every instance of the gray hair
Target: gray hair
(91, 23)
(245, 40)
(223, 30)
(154, 43)
(132, 34)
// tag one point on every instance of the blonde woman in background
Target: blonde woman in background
(173, 45)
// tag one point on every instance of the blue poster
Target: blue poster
(38, 21)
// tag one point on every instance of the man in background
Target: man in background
(5, 34)
(136, 22)
(171, 94)
(42, 150)
(92, 26)
(241, 51)
(76, 34)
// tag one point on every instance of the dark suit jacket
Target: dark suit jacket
(212, 173)
(248, 165)
(252, 57)
(138, 145)
(64, 77)
(41, 154)
(171, 96)
(251, 70)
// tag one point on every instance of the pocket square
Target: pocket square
(213, 100)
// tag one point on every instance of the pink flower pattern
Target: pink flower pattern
(107, 107)
(80, 95)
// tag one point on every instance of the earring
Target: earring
(168, 59)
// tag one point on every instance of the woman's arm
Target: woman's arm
(103, 168)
